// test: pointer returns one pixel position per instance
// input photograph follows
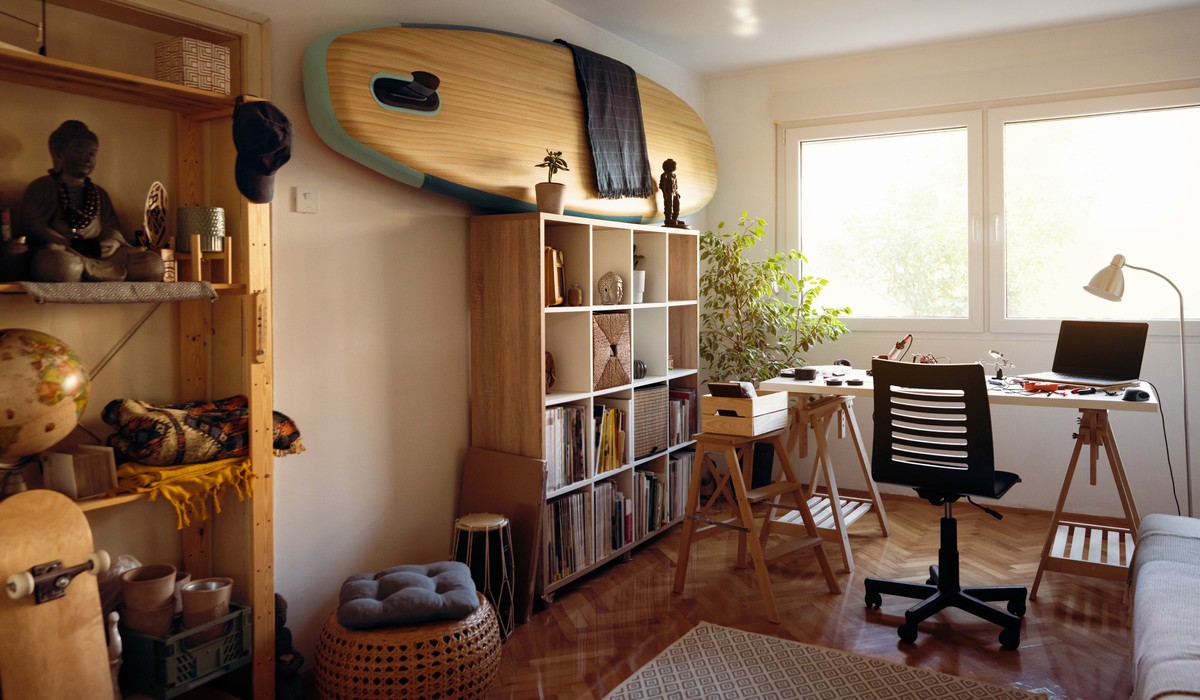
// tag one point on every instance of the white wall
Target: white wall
(371, 322)
(743, 111)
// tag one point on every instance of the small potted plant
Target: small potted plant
(550, 193)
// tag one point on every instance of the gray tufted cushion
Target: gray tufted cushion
(407, 595)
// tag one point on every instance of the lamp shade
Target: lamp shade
(1109, 283)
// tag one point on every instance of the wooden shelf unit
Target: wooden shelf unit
(512, 330)
(224, 346)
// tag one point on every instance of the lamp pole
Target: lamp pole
(1187, 433)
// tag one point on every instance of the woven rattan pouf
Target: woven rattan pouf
(444, 659)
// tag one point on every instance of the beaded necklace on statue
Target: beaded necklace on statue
(77, 219)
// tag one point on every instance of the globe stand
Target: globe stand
(12, 477)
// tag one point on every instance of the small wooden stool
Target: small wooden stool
(705, 520)
(483, 541)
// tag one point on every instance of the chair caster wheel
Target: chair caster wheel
(1017, 607)
(1010, 639)
(874, 600)
(907, 633)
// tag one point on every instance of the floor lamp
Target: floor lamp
(1109, 283)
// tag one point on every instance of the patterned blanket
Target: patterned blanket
(190, 433)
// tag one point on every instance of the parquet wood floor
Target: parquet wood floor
(1075, 642)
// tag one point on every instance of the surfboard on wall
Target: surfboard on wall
(501, 100)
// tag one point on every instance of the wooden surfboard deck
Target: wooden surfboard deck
(53, 649)
(502, 100)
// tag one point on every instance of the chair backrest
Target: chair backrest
(933, 428)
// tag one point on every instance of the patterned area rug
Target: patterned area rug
(712, 661)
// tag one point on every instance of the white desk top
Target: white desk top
(1008, 394)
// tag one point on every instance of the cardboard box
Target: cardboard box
(83, 472)
(191, 62)
(748, 417)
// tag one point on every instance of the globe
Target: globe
(43, 391)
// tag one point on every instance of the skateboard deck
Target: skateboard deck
(500, 102)
(56, 648)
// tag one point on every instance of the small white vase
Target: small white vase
(550, 196)
(639, 285)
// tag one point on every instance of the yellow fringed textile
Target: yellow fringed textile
(188, 487)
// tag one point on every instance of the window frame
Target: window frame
(971, 120)
(986, 238)
(996, 118)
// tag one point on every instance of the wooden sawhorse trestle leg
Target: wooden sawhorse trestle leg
(702, 520)
(1087, 549)
(832, 511)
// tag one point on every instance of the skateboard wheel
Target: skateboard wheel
(19, 585)
(100, 562)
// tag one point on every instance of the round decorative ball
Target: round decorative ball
(43, 391)
(611, 288)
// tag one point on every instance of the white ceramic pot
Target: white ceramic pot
(639, 285)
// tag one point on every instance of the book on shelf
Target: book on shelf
(610, 431)
(651, 502)
(566, 458)
(685, 411)
(602, 504)
(627, 525)
(679, 476)
(566, 541)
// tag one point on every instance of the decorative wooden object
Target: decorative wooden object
(488, 78)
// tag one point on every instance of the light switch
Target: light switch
(304, 200)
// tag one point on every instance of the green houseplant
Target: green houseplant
(758, 317)
(550, 193)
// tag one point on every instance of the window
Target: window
(884, 214)
(912, 232)
(1078, 189)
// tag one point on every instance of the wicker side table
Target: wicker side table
(444, 659)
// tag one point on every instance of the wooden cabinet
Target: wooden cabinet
(220, 347)
(595, 508)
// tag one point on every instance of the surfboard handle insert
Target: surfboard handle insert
(418, 94)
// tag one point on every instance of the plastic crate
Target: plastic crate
(164, 667)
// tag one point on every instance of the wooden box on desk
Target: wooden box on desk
(755, 416)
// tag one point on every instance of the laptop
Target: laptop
(1096, 353)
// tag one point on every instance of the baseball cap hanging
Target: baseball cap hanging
(263, 137)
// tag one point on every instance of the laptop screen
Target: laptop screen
(1109, 349)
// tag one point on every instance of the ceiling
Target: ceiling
(714, 36)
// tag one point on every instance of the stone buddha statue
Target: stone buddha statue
(70, 221)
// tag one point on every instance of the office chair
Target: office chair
(933, 432)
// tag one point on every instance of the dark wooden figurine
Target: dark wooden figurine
(669, 185)
(70, 221)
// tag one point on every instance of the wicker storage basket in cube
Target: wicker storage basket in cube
(612, 357)
(194, 63)
(649, 420)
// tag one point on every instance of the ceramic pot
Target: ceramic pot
(550, 197)
(575, 295)
(204, 600)
(148, 587)
(639, 285)
(156, 622)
